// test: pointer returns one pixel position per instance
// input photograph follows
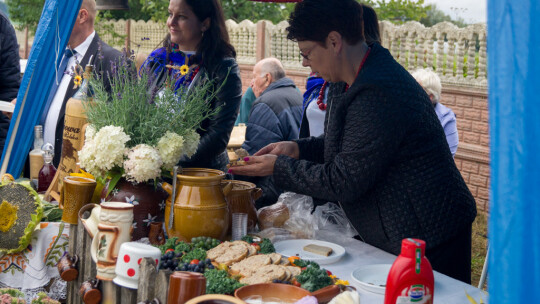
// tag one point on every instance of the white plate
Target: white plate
(295, 247)
(371, 277)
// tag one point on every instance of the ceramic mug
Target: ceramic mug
(76, 192)
(184, 286)
(114, 229)
(67, 267)
(129, 259)
(89, 292)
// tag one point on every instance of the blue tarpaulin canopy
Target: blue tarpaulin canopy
(514, 109)
(51, 38)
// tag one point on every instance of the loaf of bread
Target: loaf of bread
(317, 249)
(273, 216)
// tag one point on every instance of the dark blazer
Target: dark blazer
(384, 157)
(102, 61)
(10, 71)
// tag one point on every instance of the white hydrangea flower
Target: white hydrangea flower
(89, 133)
(143, 163)
(191, 142)
(170, 149)
(104, 151)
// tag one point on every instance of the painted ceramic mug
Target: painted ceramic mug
(76, 192)
(129, 259)
(114, 229)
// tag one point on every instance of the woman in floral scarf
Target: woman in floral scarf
(197, 50)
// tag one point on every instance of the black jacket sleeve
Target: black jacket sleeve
(216, 131)
(10, 77)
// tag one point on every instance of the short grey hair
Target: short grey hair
(272, 66)
(430, 81)
(90, 6)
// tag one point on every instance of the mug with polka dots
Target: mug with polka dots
(129, 258)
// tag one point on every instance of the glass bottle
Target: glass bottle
(36, 155)
(48, 171)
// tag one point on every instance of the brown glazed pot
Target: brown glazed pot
(200, 208)
(241, 199)
(148, 204)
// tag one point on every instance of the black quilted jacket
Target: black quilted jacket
(384, 156)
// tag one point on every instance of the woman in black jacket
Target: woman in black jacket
(383, 154)
(10, 72)
(198, 39)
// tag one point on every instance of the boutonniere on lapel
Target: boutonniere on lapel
(77, 76)
(185, 68)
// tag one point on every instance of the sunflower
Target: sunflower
(77, 80)
(184, 69)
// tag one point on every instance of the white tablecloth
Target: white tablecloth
(32, 269)
(447, 290)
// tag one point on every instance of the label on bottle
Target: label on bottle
(417, 294)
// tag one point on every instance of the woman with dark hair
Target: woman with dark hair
(383, 155)
(316, 95)
(197, 49)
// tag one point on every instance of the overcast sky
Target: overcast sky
(472, 11)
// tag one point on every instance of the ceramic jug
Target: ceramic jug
(90, 223)
(241, 199)
(114, 228)
(200, 208)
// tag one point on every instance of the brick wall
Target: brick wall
(471, 109)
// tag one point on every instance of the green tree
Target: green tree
(239, 10)
(25, 13)
(399, 11)
(435, 15)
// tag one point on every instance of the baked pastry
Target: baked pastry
(239, 161)
(248, 266)
(273, 216)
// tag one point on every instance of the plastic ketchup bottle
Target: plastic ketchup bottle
(411, 278)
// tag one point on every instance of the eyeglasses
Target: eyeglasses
(306, 56)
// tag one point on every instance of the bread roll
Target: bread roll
(273, 216)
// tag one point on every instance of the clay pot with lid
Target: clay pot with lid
(200, 208)
(241, 199)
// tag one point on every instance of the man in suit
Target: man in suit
(83, 44)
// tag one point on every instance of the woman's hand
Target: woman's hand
(288, 148)
(256, 166)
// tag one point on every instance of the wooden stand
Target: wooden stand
(152, 284)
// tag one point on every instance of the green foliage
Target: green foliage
(399, 11)
(25, 13)
(304, 263)
(239, 10)
(313, 278)
(219, 282)
(195, 254)
(182, 247)
(51, 212)
(170, 243)
(435, 15)
(267, 246)
(146, 116)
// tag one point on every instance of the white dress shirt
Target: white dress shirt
(49, 130)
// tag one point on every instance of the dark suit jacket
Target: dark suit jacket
(102, 61)
(384, 156)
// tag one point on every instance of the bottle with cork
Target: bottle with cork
(36, 155)
(411, 277)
